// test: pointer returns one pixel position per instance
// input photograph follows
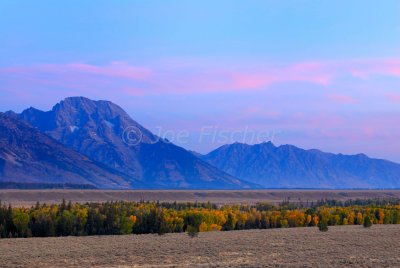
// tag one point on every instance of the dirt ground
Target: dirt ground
(30, 197)
(343, 246)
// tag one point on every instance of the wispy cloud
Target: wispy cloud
(197, 77)
(393, 97)
(339, 98)
(371, 67)
(116, 69)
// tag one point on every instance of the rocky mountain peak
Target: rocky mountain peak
(105, 133)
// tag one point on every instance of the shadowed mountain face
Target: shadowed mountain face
(105, 133)
(27, 156)
(95, 129)
(287, 166)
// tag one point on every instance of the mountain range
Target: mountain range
(104, 133)
(82, 143)
(288, 166)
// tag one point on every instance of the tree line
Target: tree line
(114, 218)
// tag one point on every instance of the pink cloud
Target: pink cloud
(161, 79)
(342, 99)
(367, 68)
(394, 97)
(250, 81)
(197, 77)
(116, 69)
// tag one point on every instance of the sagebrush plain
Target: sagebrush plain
(341, 246)
(31, 197)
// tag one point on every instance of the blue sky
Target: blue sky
(103, 31)
(317, 74)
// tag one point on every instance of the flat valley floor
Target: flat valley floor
(30, 197)
(341, 246)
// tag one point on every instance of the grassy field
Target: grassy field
(30, 197)
(348, 246)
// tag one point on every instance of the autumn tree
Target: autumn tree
(308, 220)
(21, 222)
(151, 217)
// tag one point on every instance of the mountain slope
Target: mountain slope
(105, 133)
(27, 156)
(287, 166)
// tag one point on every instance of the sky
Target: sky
(316, 74)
